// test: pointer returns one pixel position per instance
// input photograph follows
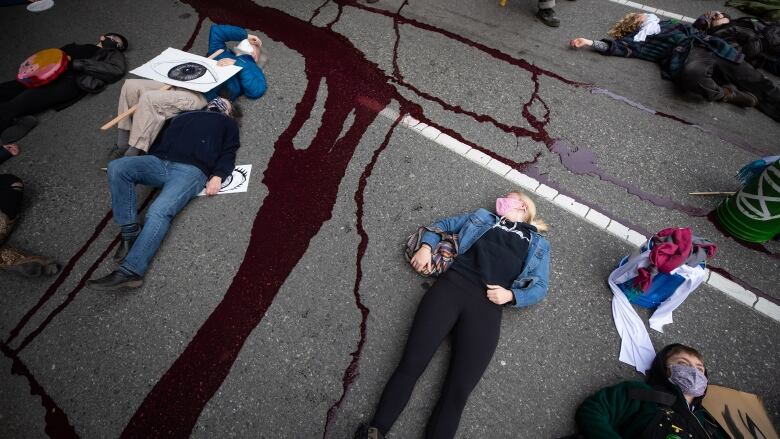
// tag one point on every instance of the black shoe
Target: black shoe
(364, 431)
(19, 129)
(116, 281)
(734, 96)
(123, 249)
(547, 16)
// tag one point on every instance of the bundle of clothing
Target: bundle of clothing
(661, 275)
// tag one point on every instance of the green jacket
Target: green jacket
(611, 414)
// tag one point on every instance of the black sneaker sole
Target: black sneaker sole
(124, 286)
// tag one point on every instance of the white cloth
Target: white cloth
(649, 27)
(636, 348)
(40, 5)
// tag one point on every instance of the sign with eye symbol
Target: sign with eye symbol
(236, 182)
(185, 70)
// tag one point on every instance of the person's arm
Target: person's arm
(450, 224)
(221, 34)
(109, 69)
(226, 161)
(601, 414)
(251, 77)
(626, 48)
(532, 288)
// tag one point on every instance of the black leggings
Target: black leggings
(453, 305)
(17, 100)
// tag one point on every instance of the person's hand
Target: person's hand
(580, 42)
(255, 40)
(499, 295)
(226, 62)
(12, 148)
(213, 186)
(421, 261)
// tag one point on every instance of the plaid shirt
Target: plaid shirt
(670, 47)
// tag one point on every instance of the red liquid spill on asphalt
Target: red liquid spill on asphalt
(582, 161)
(350, 374)
(279, 236)
(57, 424)
(72, 295)
(211, 353)
(174, 404)
(61, 278)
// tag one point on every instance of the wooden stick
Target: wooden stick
(132, 109)
(711, 193)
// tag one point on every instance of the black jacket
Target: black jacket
(759, 41)
(105, 67)
(204, 139)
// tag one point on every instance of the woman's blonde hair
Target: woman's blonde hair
(628, 24)
(540, 225)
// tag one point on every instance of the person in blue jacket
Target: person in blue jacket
(155, 106)
(502, 261)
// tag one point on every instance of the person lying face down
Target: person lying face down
(197, 149)
(667, 404)
(503, 260)
(154, 106)
(702, 64)
(90, 67)
(759, 41)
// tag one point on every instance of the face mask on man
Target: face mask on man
(244, 48)
(218, 105)
(690, 380)
(109, 43)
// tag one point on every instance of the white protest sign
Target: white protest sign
(186, 70)
(236, 182)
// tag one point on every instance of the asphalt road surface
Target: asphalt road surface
(282, 311)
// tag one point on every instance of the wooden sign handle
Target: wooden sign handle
(132, 109)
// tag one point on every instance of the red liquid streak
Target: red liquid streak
(743, 284)
(57, 424)
(72, 295)
(280, 236)
(351, 374)
(60, 279)
(317, 11)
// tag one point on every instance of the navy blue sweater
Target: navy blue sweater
(205, 139)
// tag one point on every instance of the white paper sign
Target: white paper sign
(237, 181)
(185, 70)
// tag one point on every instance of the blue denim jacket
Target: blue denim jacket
(531, 285)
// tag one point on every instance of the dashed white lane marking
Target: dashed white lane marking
(720, 283)
(655, 11)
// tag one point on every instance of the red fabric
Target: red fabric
(671, 247)
(669, 255)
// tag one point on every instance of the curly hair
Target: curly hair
(626, 25)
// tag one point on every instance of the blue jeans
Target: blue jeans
(180, 183)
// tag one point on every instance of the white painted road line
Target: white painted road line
(655, 11)
(720, 283)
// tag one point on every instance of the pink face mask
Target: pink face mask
(504, 205)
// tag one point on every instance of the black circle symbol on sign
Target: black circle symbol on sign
(187, 71)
